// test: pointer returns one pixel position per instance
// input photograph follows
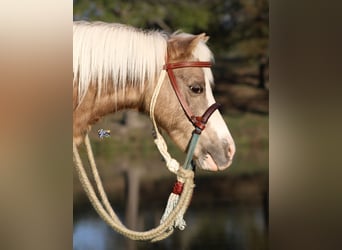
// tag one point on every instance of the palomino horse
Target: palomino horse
(117, 67)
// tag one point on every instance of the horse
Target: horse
(117, 67)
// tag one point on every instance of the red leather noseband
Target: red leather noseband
(198, 121)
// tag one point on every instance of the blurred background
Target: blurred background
(229, 209)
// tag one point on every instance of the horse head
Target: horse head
(114, 68)
(216, 147)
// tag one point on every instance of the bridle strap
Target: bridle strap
(198, 121)
(179, 95)
(187, 64)
(201, 121)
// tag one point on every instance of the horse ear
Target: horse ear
(196, 40)
(181, 46)
(205, 38)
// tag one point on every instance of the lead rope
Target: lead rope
(158, 233)
(171, 164)
(104, 208)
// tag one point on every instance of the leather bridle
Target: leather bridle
(198, 122)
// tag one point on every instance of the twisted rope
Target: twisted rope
(171, 163)
(160, 232)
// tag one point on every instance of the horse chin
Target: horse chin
(208, 163)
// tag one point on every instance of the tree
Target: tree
(240, 26)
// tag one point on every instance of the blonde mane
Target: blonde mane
(122, 55)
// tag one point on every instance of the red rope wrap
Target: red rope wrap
(178, 188)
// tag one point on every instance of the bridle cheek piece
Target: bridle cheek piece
(198, 122)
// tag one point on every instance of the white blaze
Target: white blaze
(216, 121)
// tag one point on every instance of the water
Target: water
(227, 225)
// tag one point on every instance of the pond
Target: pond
(216, 224)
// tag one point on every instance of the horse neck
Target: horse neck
(93, 107)
(111, 101)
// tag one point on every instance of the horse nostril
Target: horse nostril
(231, 150)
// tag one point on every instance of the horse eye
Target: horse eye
(197, 89)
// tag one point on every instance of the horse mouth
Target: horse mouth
(208, 163)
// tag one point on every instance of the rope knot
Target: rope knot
(184, 174)
(172, 165)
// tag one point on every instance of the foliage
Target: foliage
(236, 26)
